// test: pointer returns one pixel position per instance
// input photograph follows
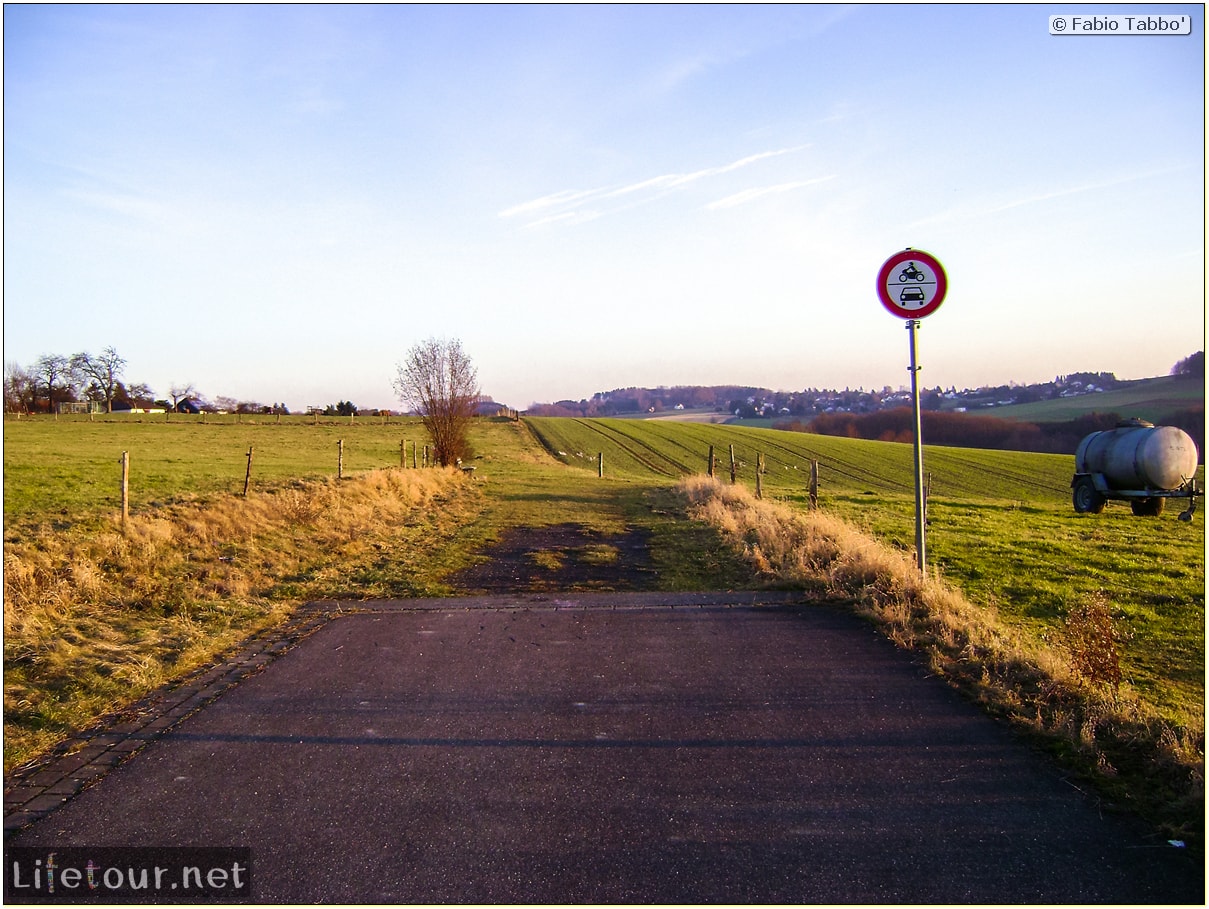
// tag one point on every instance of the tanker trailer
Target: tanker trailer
(1136, 462)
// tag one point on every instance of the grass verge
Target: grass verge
(1101, 731)
(96, 618)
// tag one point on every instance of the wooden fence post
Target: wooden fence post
(125, 490)
(814, 483)
(711, 460)
(247, 477)
(759, 475)
(402, 452)
(414, 456)
(600, 464)
(733, 467)
(340, 460)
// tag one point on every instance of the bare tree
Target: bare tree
(20, 389)
(178, 392)
(54, 372)
(438, 381)
(138, 393)
(104, 372)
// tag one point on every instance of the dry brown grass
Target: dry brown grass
(1103, 731)
(96, 619)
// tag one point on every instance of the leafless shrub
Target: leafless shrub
(1094, 640)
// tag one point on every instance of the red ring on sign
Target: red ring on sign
(883, 276)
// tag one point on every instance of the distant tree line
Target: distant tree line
(1193, 365)
(750, 401)
(54, 380)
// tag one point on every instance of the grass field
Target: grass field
(1000, 523)
(69, 469)
(1154, 399)
(1001, 529)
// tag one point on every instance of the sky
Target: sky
(274, 203)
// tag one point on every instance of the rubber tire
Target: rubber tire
(1147, 508)
(1086, 498)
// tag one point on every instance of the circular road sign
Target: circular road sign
(912, 284)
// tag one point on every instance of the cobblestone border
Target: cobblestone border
(35, 790)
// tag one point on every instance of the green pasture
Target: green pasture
(69, 469)
(1001, 525)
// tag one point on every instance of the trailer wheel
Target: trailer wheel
(1147, 508)
(1086, 498)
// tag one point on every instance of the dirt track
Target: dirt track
(565, 557)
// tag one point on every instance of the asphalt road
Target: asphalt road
(493, 751)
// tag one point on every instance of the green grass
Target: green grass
(69, 469)
(1155, 400)
(1001, 527)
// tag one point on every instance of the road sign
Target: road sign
(912, 284)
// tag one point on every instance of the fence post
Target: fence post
(759, 475)
(247, 477)
(600, 464)
(125, 490)
(814, 483)
(414, 457)
(402, 452)
(340, 460)
(711, 460)
(732, 464)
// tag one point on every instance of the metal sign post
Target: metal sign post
(912, 284)
(920, 520)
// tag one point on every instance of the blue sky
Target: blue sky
(275, 202)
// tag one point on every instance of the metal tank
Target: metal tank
(1137, 462)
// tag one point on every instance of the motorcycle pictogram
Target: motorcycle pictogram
(911, 273)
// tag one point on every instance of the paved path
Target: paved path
(606, 749)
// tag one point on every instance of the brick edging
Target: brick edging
(37, 789)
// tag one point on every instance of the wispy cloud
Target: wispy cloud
(993, 207)
(574, 206)
(1070, 191)
(748, 195)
